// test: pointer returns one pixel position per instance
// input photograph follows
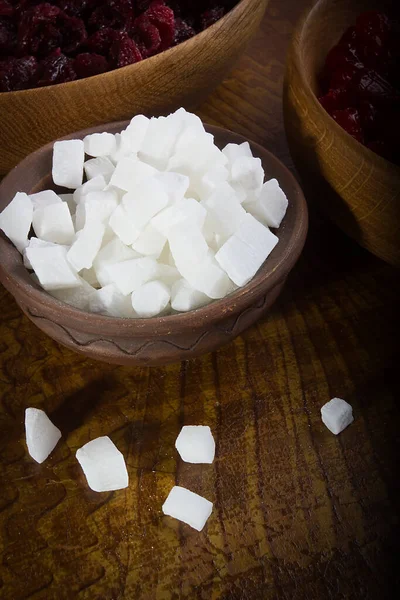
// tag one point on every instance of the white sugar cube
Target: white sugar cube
(124, 226)
(99, 144)
(99, 166)
(145, 202)
(109, 301)
(150, 242)
(52, 268)
(34, 243)
(234, 151)
(96, 184)
(68, 158)
(196, 444)
(136, 131)
(248, 174)
(16, 220)
(225, 212)
(103, 465)
(85, 248)
(77, 297)
(186, 209)
(114, 251)
(129, 275)
(41, 434)
(184, 297)
(96, 206)
(53, 223)
(188, 507)
(175, 185)
(337, 414)
(41, 199)
(159, 141)
(129, 172)
(271, 205)
(244, 252)
(150, 299)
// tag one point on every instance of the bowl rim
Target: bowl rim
(309, 16)
(214, 27)
(237, 301)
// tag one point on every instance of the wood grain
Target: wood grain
(299, 513)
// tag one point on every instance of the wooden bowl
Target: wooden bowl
(358, 189)
(160, 340)
(181, 76)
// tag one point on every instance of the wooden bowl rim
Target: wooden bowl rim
(307, 19)
(129, 68)
(239, 299)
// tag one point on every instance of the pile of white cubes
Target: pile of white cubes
(164, 222)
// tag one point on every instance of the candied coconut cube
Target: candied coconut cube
(150, 299)
(103, 465)
(78, 297)
(124, 226)
(99, 166)
(270, 206)
(184, 297)
(85, 248)
(99, 144)
(108, 300)
(41, 434)
(130, 275)
(234, 151)
(53, 223)
(41, 199)
(68, 159)
(52, 267)
(248, 173)
(129, 172)
(16, 220)
(337, 414)
(188, 507)
(34, 243)
(150, 242)
(136, 132)
(98, 183)
(196, 444)
(145, 202)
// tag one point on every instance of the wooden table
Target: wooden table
(298, 512)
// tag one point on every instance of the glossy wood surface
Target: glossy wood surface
(298, 513)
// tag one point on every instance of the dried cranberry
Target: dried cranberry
(7, 37)
(76, 8)
(37, 30)
(124, 51)
(335, 99)
(343, 75)
(101, 41)
(183, 31)
(148, 34)
(17, 73)
(73, 33)
(162, 17)
(349, 120)
(88, 64)
(56, 68)
(212, 16)
(118, 14)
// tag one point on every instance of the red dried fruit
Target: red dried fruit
(88, 64)
(183, 31)
(7, 37)
(76, 8)
(6, 9)
(118, 14)
(56, 68)
(212, 16)
(124, 51)
(335, 99)
(349, 120)
(343, 75)
(148, 34)
(73, 33)
(17, 73)
(102, 40)
(163, 18)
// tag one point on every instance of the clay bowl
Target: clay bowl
(357, 189)
(160, 340)
(181, 76)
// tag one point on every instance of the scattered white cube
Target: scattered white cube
(270, 206)
(41, 434)
(16, 220)
(130, 172)
(184, 297)
(41, 199)
(244, 252)
(100, 144)
(85, 248)
(130, 275)
(103, 465)
(96, 184)
(109, 301)
(145, 202)
(99, 166)
(248, 174)
(53, 223)
(150, 242)
(150, 299)
(188, 507)
(337, 414)
(78, 297)
(52, 268)
(68, 159)
(196, 444)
